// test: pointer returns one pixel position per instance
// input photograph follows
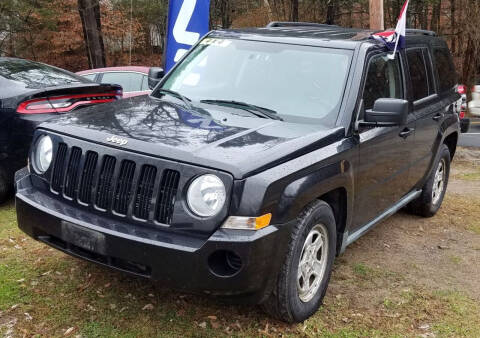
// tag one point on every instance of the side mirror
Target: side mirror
(387, 112)
(155, 74)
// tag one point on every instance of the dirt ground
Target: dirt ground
(409, 276)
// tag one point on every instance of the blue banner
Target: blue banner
(188, 21)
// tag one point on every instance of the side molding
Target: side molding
(350, 238)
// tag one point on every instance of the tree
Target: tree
(89, 11)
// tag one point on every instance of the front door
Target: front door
(384, 152)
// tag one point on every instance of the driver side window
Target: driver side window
(383, 80)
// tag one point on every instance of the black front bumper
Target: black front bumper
(178, 260)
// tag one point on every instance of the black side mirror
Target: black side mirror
(155, 74)
(387, 112)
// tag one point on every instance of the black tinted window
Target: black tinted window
(445, 69)
(418, 73)
(383, 80)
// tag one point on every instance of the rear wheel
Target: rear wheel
(303, 279)
(6, 185)
(428, 203)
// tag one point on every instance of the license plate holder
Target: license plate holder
(84, 238)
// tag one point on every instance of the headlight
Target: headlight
(206, 195)
(43, 154)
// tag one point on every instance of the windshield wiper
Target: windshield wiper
(185, 99)
(253, 109)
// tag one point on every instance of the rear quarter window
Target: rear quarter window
(445, 69)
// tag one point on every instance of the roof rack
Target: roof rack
(297, 24)
(420, 32)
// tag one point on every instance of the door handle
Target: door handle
(438, 117)
(406, 132)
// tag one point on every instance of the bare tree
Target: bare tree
(92, 31)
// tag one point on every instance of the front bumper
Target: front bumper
(178, 260)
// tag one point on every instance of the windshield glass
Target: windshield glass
(300, 83)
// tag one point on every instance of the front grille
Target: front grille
(123, 188)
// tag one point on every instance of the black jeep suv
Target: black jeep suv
(260, 157)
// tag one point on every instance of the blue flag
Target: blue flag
(188, 21)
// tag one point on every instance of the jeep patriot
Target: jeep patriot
(255, 161)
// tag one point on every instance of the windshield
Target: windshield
(300, 83)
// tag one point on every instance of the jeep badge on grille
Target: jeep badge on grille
(117, 140)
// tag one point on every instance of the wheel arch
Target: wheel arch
(451, 142)
(337, 200)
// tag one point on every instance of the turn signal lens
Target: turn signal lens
(247, 223)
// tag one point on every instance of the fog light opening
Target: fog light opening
(224, 263)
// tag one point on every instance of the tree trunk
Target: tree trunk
(269, 10)
(89, 11)
(331, 12)
(294, 11)
(376, 15)
(452, 25)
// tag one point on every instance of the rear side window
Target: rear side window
(90, 77)
(145, 83)
(129, 81)
(418, 73)
(383, 80)
(445, 69)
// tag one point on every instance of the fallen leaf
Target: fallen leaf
(203, 325)
(27, 316)
(69, 331)
(148, 307)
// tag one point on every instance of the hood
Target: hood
(223, 138)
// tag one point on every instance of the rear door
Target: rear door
(384, 155)
(430, 102)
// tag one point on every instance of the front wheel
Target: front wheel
(433, 191)
(303, 279)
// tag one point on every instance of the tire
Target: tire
(6, 185)
(428, 203)
(287, 302)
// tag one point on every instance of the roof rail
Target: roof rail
(297, 24)
(420, 32)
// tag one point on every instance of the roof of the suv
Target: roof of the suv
(317, 34)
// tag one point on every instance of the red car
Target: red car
(133, 79)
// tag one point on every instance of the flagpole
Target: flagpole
(392, 56)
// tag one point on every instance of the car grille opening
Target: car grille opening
(123, 188)
(166, 195)
(145, 192)
(59, 168)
